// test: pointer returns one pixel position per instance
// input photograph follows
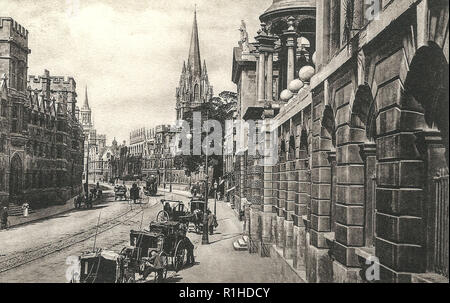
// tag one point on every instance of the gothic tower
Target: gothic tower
(86, 114)
(194, 88)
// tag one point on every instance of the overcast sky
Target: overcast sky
(130, 53)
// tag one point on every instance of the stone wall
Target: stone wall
(367, 147)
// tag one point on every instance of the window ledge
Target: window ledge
(365, 252)
(305, 220)
(330, 236)
(429, 278)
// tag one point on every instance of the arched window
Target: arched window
(196, 92)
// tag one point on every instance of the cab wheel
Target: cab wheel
(179, 257)
(162, 216)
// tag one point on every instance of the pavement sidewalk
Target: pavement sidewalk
(218, 262)
(41, 214)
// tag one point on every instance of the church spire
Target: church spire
(194, 50)
(205, 71)
(86, 100)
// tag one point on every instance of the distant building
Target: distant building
(230, 175)
(194, 87)
(94, 143)
(41, 140)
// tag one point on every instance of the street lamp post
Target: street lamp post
(86, 187)
(170, 174)
(101, 163)
(215, 198)
(205, 239)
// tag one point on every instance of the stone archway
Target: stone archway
(15, 179)
(327, 174)
(363, 117)
(427, 84)
(426, 87)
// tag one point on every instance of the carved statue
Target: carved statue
(244, 37)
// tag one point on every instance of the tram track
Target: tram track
(21, 258)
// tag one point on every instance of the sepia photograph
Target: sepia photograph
(240, 143)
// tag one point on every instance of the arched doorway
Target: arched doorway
(15, 179)
(328, 139)
(363, 117)
(427, 87)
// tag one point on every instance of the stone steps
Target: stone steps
(17, 211)
(241, 244)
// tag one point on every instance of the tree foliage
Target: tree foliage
(218, 108)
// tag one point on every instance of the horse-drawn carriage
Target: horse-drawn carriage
(153, 251)
(120, 191)
(99, 266)
(197, 211)
(135, 193)
(83, 202)
(176, 211)
(173, 210)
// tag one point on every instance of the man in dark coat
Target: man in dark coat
(212, 222)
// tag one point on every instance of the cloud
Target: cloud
(130, 53)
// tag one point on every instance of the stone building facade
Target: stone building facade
(41, 140)
(361, 115)
(150, 152)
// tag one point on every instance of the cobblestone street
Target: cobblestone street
(37, 252)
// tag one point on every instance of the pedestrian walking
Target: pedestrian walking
(134, 193)
(190, 251)
(25, 208)
(212, 222)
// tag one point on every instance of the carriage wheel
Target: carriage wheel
(162, 216)
(178, 259)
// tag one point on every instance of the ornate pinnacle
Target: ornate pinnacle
(290, 23)
(263, 29)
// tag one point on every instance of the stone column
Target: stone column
(281, 202)
(269, 84)
(431, 146)
(276, 201)
(318, 263)
(266, 48)
(291, 178)
(301, 207)
(291, 36)
(267, 216)
(422, 24)
(261, 76)
(400, 182)
(368, 153)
